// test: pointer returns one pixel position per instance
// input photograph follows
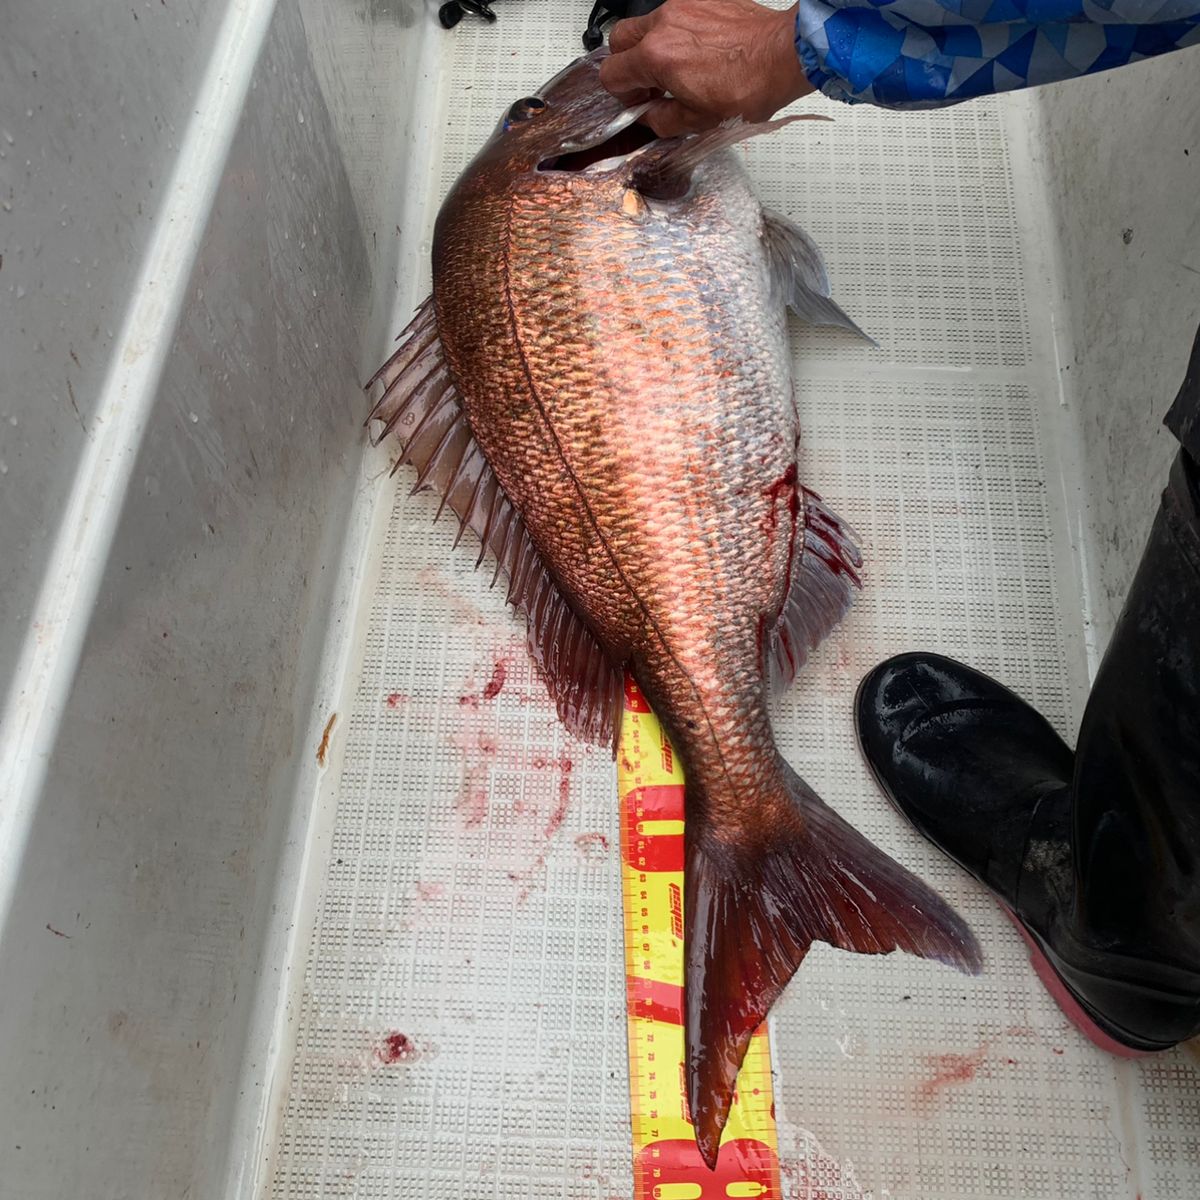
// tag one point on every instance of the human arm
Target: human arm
(720, 58)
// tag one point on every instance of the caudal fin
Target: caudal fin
(753, 911)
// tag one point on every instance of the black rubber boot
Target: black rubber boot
(1096, 855)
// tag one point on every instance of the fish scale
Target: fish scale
(644, 509)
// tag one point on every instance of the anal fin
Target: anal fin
(824, 579)
(421, 409)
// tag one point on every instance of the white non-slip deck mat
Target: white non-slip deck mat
(460, 1029)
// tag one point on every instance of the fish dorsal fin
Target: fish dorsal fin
(798, 275)
(421, 408)
(664, 170)
(823, 581)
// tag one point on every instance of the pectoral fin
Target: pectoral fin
(798, 275)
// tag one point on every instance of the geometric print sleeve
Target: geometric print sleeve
(929, 53)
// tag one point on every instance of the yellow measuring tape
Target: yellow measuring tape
(666, 1163)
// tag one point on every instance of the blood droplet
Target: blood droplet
(496, 683)
(395, 1047)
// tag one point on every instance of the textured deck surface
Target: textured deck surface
(460, 1029)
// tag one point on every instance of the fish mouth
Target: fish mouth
(622, 139)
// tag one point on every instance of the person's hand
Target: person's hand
(715, 59)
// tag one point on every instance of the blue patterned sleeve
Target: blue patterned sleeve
(928, 53)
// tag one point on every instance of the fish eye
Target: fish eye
(525, 109)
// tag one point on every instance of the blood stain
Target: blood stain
(473, 804)
(430, 891)
(951, 1068)
(819, 1176)
(323, 748)
(395, 1047)
(592, 845)
(496, 683)
(395, 699)
(435, 582)
(478, 747)
(565, 766)
(784, 488)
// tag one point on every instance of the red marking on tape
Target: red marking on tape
(743, 1164)
(634, 700)
(652, 851)
(654, 1001)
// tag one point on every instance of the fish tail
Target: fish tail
(753, 908)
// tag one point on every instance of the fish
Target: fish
(599, 387)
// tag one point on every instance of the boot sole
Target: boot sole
(1066, 999)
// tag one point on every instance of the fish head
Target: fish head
(570, 123)
(573, 126)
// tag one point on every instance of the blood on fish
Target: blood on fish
(783, 487)
(787, 485)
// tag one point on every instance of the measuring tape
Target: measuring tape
(666, 1163)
